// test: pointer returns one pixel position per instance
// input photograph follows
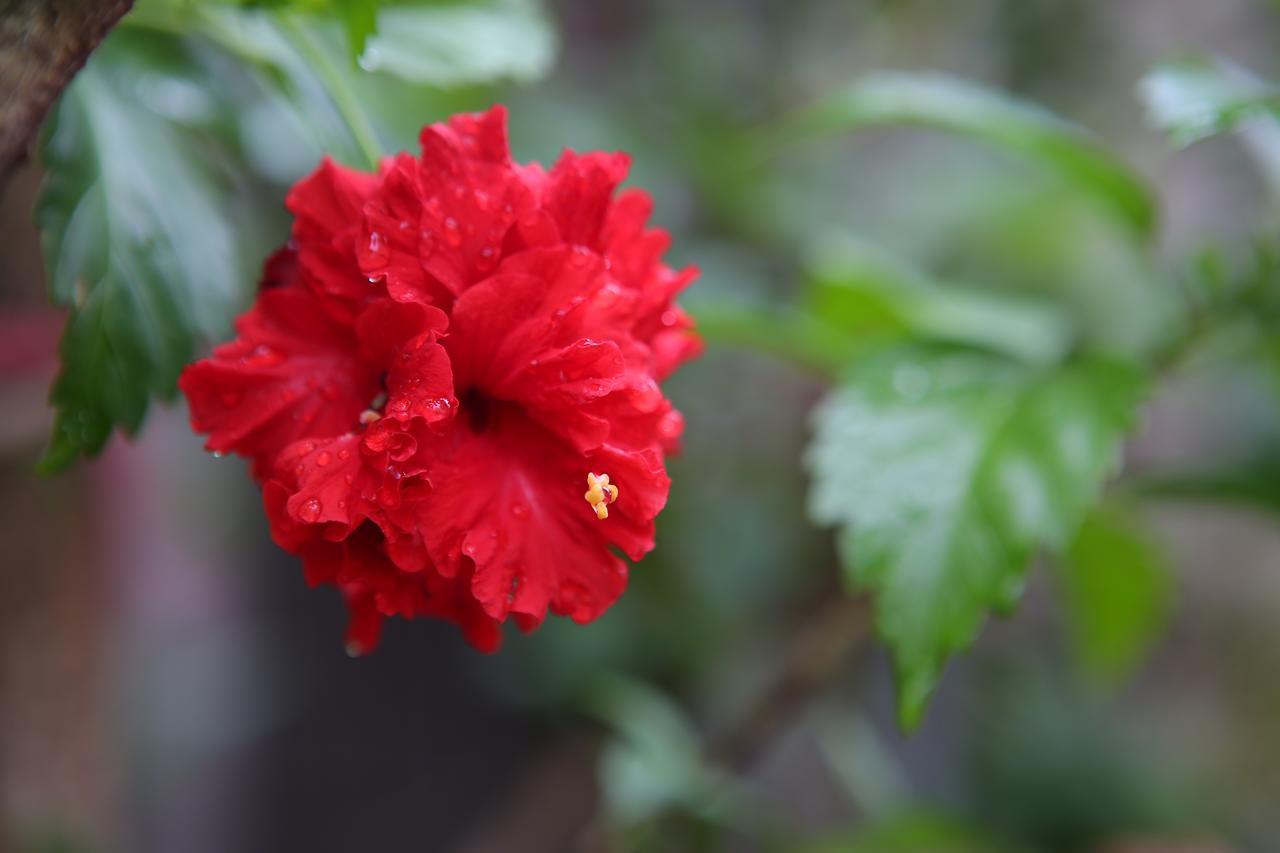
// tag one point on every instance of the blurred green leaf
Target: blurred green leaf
(360, 21)
(1029, 244)
(460, 43)
(795, 335)
(359, 18)
(443, 45)
(953, 105)
(655, 764)
(136, 245)
(1117, 590)
(1197, 98)
(946, 470)
(913, 832)
(1254, 483)
(865, 291)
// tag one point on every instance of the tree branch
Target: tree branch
(43, 43)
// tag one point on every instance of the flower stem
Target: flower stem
(339, 88)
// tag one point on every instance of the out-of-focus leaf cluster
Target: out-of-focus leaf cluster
(981, 402)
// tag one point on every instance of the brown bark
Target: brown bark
(43, 43)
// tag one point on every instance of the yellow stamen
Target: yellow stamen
(600, 493)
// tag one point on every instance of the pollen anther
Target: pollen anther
(600, 493)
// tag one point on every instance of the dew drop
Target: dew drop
(452, 235)
(520, 510)
(310, 510)
(376, 245)
(388, 496)
(324, 458)
(263, 356)
(671, 425)
(670, 318)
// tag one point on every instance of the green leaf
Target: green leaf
(797, 336)
(1253, 483)
(867, 292)
(1195, 99)
(359, 18)
(136, 244)
(952, 105)
(1117, 590)
(655, 761)
(462, 43)
(1199, 98)
(360, 21)
(946, 470)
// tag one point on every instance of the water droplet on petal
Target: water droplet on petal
(309, 511)
(452, 235)
(323, 458)
(520, 510)
(263, 356)
(671, 425)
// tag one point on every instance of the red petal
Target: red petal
(292, 373)
(327, 207)
(510, 502)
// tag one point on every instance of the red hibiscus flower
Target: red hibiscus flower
(448, 385)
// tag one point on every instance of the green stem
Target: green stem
(343, 96)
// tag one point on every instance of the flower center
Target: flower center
(600, 493)
(477, 408)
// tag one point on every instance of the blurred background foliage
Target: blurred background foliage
(965, 356)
